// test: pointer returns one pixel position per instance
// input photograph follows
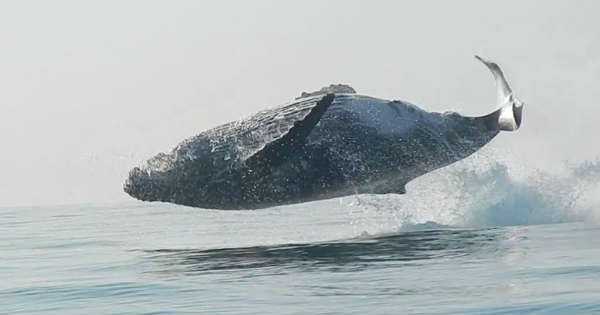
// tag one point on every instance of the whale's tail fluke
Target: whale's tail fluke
(511, 108)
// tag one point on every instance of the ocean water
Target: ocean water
(468, 241)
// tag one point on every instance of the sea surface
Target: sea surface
(499, 246)
(162, 259)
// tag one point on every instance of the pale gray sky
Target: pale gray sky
(89, 89)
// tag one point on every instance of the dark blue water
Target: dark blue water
(162, 259)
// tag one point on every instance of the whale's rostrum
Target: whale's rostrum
(324, 144)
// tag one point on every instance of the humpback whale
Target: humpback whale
(324, 144)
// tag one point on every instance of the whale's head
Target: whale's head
(142, 184)
(150, 181)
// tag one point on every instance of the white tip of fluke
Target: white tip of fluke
(511, 108)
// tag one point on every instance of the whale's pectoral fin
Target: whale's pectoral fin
(280, 132)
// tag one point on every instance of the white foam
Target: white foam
(475, 194)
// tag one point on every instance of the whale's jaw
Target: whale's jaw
(145, 185)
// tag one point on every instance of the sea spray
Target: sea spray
(495, 193)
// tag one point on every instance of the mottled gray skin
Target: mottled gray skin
(322, 146)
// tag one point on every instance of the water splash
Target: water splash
(494, 197)
(476, 194)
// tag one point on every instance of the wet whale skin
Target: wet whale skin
(323, 145)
